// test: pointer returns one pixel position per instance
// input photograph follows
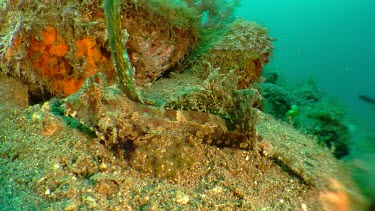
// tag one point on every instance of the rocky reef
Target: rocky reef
(60, 44)
(148, 105)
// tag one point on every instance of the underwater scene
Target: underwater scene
(187, 105)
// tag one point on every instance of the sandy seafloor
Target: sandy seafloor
(46, 165)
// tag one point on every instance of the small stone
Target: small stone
(56, 166)
(217, 190)
(46, 106)
(91, 202)
(103, 167)
(182, 198)
(37, 116)
(71, 206)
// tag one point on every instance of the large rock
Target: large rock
(56, 46)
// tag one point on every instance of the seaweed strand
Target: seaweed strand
(124, 69)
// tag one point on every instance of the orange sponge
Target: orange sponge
(47, 55)
(51, 59)
(87, 47)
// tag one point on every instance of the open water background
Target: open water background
(332, 41)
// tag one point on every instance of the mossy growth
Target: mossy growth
(74, 34)
(214, 13)
(326, 121)
(176, 11)
(277, 100)
(3, 4)
(315, 113)
(8, 28)
(217, 94)
(241, 46)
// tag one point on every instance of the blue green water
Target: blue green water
(332, 41)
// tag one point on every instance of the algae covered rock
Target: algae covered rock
(241, 46)
(65, 44)
(317, 115)
(55, 46)
(244, 47)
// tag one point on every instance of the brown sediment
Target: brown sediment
(66, 169)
